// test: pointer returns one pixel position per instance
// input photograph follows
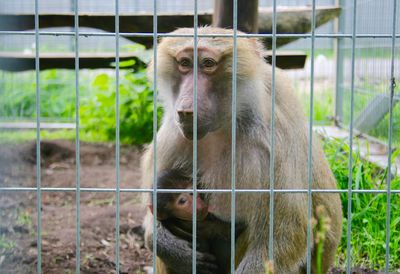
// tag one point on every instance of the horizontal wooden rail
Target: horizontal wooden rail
(290, 20)
(15, 61)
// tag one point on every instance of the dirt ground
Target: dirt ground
(18, 216)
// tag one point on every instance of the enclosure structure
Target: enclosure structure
(356, 73)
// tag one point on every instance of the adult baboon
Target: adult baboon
(253, 147)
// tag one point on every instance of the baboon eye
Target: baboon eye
(185, 62)
(182, 201)
(209, 63)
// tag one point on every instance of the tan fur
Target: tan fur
(254, 82)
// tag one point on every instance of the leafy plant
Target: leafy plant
(368, 210)
(5, 245)
(98, 114)
(321, 225)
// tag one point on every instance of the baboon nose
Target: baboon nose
(185, 115)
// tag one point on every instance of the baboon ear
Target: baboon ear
(160, 216)
(150, 207)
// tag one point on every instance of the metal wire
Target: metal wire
(77, 145)
(150, 190)
(390, 135)
(350, 181)
(271, 191)
(194, 170)
(272, 152)
(160, 35)
(155, 127)
(233, 142)
(117, 140)
(38, 161)
(339, 68)
(310, 144)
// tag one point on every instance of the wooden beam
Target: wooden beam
(288, 59)
(15, 61)
(370, 150)
(247, 15)
(289, 20)
(293, 20)
(373, 113)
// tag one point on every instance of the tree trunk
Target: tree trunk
(247, 15)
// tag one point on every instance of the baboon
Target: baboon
(253, 151)
(174, 210)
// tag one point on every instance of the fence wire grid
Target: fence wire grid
(76, 34)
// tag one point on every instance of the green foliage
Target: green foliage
(98, 113)
(97, 96)
(57, 94)
(321, 224)
(5, 245)
(368, 210)
(24, 218)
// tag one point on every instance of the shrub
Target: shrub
(98, 112)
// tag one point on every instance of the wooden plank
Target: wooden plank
(289, 20)
(288, 59)
(15, 61)
(373, 113)
(370, 150)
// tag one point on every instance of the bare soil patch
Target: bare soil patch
(18, 216)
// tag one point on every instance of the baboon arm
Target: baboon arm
(176, 253)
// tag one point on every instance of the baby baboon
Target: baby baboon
(175, 211)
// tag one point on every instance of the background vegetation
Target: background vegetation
(368, 218)
(97, 108)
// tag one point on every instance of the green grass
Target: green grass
(24, 218)
(368, 211)
(5, 245)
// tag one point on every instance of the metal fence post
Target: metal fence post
(390, 135)
(339, 27)
(77, 142)
(38, 156)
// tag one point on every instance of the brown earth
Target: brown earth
(18, 215)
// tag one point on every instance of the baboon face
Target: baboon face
(175, 71)
(213, 102)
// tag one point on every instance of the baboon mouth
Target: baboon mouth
(188, 132)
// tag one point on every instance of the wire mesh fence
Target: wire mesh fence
(356, 75)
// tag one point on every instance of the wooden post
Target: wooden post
(247, 15)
